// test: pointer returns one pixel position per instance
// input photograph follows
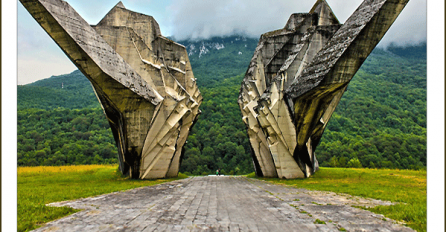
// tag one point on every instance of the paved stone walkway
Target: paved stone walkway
(221, 204)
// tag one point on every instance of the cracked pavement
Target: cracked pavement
(222, 203)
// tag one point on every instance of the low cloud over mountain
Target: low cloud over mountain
(197, 19)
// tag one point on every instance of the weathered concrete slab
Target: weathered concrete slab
(221, 203)
(296, 79)
(143, 81)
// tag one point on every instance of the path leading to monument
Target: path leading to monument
(221, 203)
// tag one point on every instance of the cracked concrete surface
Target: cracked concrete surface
(222, 203)
(296, 78)
(143, 81)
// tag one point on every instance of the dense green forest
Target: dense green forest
(64, 136)
(380, 121)
(70, 91)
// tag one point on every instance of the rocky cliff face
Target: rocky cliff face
(199, 48)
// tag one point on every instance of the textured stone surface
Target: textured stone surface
(222, 203)
(143, 81)
(296, 79)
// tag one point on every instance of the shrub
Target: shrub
(354, 163)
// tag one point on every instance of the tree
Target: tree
(333, 162)
(354, 163)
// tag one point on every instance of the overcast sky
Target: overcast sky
(39, 57)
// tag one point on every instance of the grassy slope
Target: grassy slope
(405, 186)
(37, 186)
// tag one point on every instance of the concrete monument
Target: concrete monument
(143, 81)
(297, 77)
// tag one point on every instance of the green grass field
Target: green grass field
(405, 186)
(37, 186)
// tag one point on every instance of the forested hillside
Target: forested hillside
(381, 119)
(70, 91)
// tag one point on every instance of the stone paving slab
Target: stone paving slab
(222, 203)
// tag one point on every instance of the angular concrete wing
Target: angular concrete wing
(143, 81)
(296, 79)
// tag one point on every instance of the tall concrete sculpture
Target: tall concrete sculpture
(143, 81)
(297, 77)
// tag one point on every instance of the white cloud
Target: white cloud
(198, 19)
(410, 26)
